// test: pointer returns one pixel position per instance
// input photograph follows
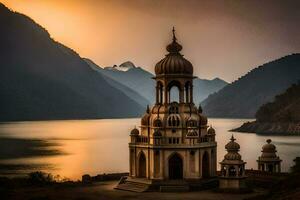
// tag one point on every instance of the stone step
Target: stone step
(174, 188)
(132, 186)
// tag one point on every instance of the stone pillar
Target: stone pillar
(166, 95)
(181, 95)
(157, 94)
(191, 93)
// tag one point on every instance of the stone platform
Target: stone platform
(146, 185)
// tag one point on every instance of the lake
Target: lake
(71, 148)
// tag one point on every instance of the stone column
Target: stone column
(191, 93)
(157, 94)
(181, 95)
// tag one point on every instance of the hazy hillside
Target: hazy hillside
(242, 98)
(132, 94)
(285, 107)
(42, 79)
(203, 88)
(282, 116)
(141, 81)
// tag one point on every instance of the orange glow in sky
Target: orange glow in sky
(221, 38)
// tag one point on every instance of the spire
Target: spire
(174, 37)
(200, 109)
(174, 47)
(148, 109)
(232, 138)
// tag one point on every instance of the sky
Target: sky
(221, 38)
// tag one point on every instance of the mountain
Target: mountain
(130, 93)
(203, 88)
(282, 116)
(41, 79)
(242, 98)
(123, 67)
(141, 81)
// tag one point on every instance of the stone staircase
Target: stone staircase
(132, 186)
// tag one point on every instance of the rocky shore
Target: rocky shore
(270, 128)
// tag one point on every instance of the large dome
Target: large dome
(174, 62)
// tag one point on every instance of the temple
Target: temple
(269, 161)
(174, 146)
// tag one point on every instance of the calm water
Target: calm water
(73, 148)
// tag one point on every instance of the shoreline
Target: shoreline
(270, 128)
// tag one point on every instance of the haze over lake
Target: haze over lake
(72, 148)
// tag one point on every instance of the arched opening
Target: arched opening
(270, 168)
(175, 167)
(142, 166)
(174, 94)
(157, 123)
(174, 108)
(205, 165)
(232, 171)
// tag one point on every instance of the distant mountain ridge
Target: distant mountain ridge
(41, 79)
(142, 81)
(243, 97)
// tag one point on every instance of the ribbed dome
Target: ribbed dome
(232, 148)
(174, 62)
(232, 145)
(233, 156)
(135, 132)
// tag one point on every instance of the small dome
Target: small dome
(232, 148)
(211, 131)
(192, 133)
(269, 147)
(157, 133)
(233, 156)
(191, 122)
(145, 118)
(232, 145)
(134, 131)
(269, 150)
(174, 62)
(203, 120)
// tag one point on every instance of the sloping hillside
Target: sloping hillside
(242, 98)
(282, 116)
(141, 81)
(41, 79)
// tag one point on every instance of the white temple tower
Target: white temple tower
(232, 168)
(269, 161)
(173, 143)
